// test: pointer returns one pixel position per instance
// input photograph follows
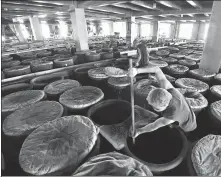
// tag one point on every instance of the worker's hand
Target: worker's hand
(132, 72)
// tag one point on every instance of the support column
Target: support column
(111, 28)
(139, 30)
(212, 54)
(79, 26)
(19, 33)
(177, 30)
(36, 28)
(155, 31)
(195, 31)
(18, 29)
(130, 33)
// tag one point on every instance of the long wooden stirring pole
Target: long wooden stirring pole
(132, 101)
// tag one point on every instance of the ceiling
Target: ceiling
(146, 10)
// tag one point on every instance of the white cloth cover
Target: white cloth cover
(60, 86)
(115, 72)
(24, 120)
(192, 84)
(57, 145)
(20, 99)
(159, 63)
(112, 164)
(215, 109)
(216, 90)
(206, 156)
(81, 97)
(97, 73)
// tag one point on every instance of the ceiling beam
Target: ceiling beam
(169, 4)
(145, 5)
(185, 18)
(55, 2)
(20, 6)
(30, 3)
(101, 15)
(176, 12)
(91, 3)
(195, 4)
(130, 6)
(114, 9)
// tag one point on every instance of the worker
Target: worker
(168, 101)
(143, 56)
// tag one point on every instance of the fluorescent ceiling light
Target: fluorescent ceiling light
(181, 15)
(191, 15)
(60, 17)
(163, 16)
(42, 15)
(147, 17)
(183, 20)
(192, 20)
(203, 21)
(165, 3)
(207, 15)
(56, 3)
(192, 3)
(59, 13)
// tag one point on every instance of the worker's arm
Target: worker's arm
(164, 83)
(142, 127)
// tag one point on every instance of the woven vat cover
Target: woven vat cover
(60, 86)
(175, 68)
(17, 68)
(195, 57)
(113, 164)
(187, 62)
(41, 62)
(155, 57)
(215, 109)
(58, 144)
(202, 73)
(97, 73)
(143, 87)
(216, 89)
(162, 52)
(20, 99)
(169, 60)
(195, 99)
(117, 134)
(218, 77)
(173, 48)
(115, 72)
(177, 55)
(81, 97)
(205, 156)
(24, 120)
(186, 52)
(192, 83)
(120, 81)
(159, 63)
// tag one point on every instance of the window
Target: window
(120, 27)
(24, 31)
(164, 30)
(105, 28)
(134, 30)
(206, 31)
(45, 29)
(185, 31)
(63, 29)
(145, 30)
